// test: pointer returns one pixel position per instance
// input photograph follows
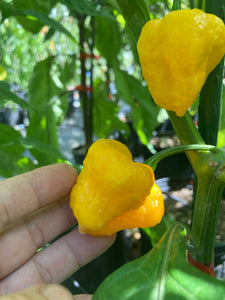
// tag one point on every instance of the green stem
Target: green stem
(188, 134)
(208, 189)
(156, 158)
(204, 220)
(176, 5)
(210, 179)
(200, 4)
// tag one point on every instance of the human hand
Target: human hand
(34, 210)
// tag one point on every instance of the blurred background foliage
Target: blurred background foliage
(54, 53)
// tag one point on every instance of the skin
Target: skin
(34, 210)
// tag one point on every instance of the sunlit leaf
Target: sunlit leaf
(135, 13)
(163, 273)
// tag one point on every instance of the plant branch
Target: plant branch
(156, 158)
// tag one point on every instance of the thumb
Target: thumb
(42, 292)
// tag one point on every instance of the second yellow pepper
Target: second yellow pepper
(177, 53)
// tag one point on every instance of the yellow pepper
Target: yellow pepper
(113, 193)
(177, 53)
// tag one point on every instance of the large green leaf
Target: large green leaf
(43, 122)
(46, 149)
(67, 71)
(87, 7)
(163, 273)
(135, 13)
(107, 38)
(33, 15)
(45, 19)
(41, 86)
(106, 119)
(8, 10)
(144, 111)
(32, 23)
(6, 94)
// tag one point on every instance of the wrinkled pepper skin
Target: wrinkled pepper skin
(177, 53)
(113, 193)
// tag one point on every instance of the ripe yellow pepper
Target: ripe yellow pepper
(113, 193)
(177, 53)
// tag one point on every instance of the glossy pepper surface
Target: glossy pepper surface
(113, 192)
(177, 53)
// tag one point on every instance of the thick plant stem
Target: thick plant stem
(204, 219)
(176, 5)
(209, 168)
(188, 134)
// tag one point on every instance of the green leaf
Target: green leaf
(7, 168)
(155, 233)
(7, 10)
(87, 7)
(163, 273)
(33, 15)
(43, 120)
(46, 149)
(10, 139)
(45, 19)
(24, 164)
(43, 129)
(105, 114)
(144, 111)
(31, 23)
(107, 38)
(11, 150)
(41, 86)
(6, 94)
(135, 13)
(68, 70)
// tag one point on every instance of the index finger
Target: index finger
(28, 192)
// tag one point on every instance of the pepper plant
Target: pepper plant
(176, 267)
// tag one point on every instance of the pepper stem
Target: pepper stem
(155, 159)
